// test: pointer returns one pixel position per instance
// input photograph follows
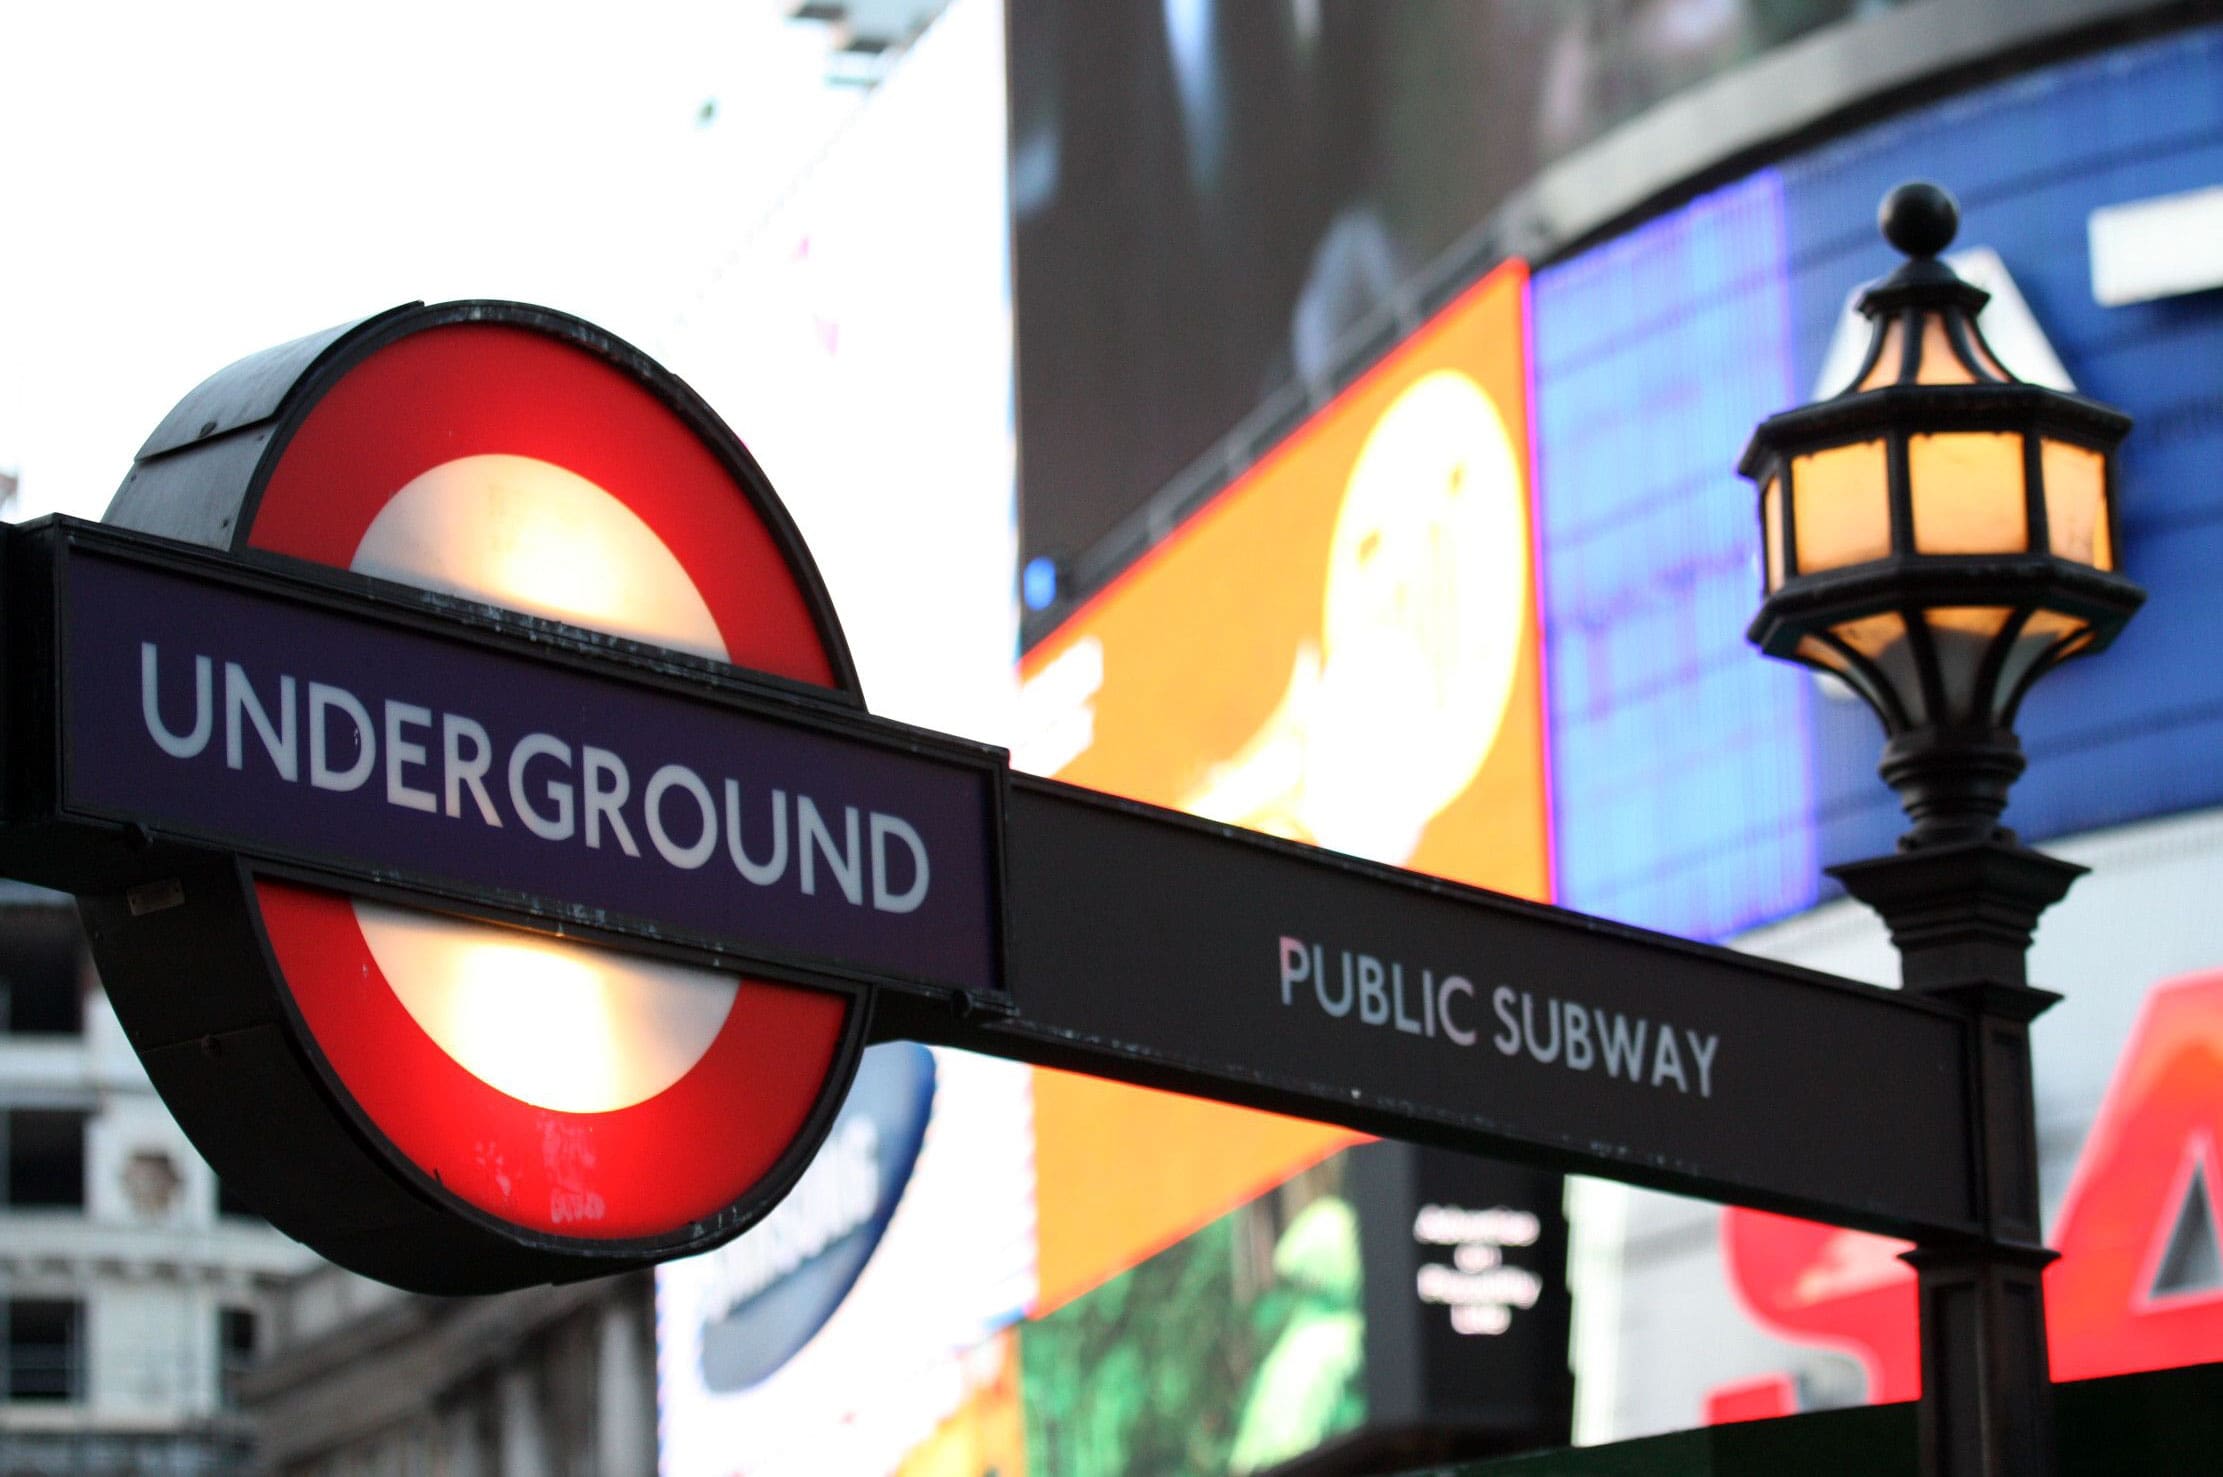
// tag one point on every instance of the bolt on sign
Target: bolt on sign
(482, 836)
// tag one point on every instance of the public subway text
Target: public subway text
(1447, 1005)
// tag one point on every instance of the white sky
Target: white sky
(183, 184)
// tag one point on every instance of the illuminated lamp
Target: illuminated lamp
(1940, 534)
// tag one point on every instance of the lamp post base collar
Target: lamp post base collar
(1952, 783)
(1962, 915)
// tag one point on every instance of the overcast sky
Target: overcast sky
(181, 185)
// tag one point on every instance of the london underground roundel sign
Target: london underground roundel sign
(450, 1104)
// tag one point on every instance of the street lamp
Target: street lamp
(1939, 536)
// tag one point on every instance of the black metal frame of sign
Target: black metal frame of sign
(1194, 956)
(1063, 927)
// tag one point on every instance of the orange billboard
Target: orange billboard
(1341, 647)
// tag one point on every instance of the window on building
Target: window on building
(46, 1340)
(151, 1183)
(46, 1157)
(235, 1352)
(41, 973)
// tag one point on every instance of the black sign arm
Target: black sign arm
(1174, 953)
(165, 705)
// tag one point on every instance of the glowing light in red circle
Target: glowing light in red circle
(549, 1023)
(470, 400)
(479, 389)
(682, 1155)
(540, 539)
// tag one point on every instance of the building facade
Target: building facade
(363, 1380)
(137, 1292)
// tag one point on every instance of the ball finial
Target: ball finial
(1919, 219)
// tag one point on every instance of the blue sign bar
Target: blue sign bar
(239, 716)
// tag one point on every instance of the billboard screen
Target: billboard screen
(1681, 757)
(1239, 1347)
(1208, 197)
(1386, 1307)
(865, 1319)
(1342, 646)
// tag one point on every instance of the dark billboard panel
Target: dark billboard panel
(1209, 198)
(1389, 1306)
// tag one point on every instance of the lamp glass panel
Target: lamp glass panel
(1771, 530)
(1882, 639)
(1968, 493)
(1940, 364)
(1841, 506)
(1963, 636)
(1885, 371)
(2046, 633)
(2076, 503)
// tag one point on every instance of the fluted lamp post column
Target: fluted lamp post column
(1939, 536)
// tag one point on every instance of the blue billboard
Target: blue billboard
(1696, 789)
(1678, 803)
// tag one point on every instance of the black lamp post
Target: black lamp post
(1939, 536)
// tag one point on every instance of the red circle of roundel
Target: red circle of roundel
(690, 1151)
(683, 1155)
(467, 389)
